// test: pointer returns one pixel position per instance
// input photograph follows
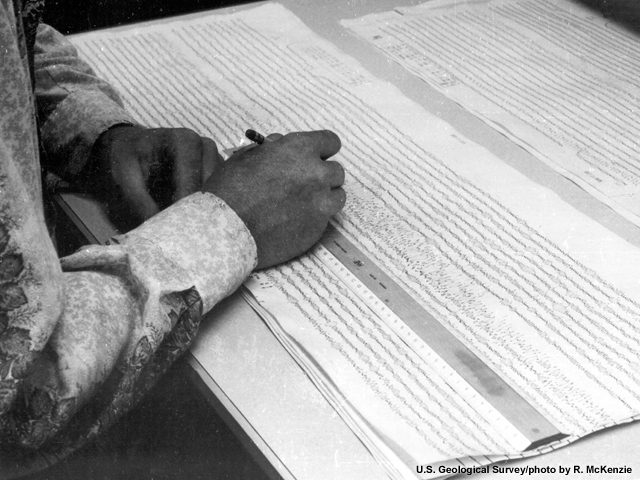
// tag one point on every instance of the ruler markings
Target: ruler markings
(377, 288)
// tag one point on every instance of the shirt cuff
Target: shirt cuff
(73, 127)
(206, 238)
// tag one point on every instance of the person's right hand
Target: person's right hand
(285, 191)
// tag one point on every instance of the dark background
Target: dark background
(72, 16)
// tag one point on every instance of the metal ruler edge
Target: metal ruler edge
(534, 426)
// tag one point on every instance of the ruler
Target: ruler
(385, 297)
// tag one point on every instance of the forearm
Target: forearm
(123, 300)
(129, 309)
(74, 105)
(83, 338)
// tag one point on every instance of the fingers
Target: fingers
(185, 149)
(142, 170)
(334, 174)
(269, 139)
(211, 158)
(274, 136)
(323, 143)
(192, 158)
(133, 189)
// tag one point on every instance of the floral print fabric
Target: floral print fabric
(83, 338)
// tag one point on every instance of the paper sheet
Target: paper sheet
(554, 76)
(545, 296)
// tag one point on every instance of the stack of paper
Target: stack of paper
(529, 301)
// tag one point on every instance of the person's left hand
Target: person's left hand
(139, 171)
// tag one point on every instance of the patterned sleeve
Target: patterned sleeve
(128, 310)
(83, 338)
(74, 105)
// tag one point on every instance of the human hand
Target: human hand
(139, 171)
(285, 191)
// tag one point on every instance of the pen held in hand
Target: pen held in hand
(256, 137)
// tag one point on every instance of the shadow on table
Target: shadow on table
(173, 434)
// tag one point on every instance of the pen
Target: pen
(256, 137)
